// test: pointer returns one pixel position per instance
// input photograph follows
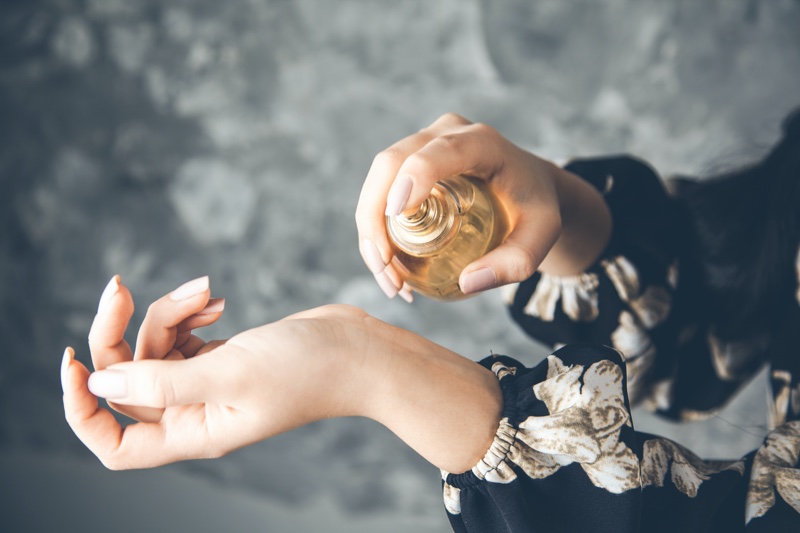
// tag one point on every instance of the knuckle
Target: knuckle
(214, 451)
(153, 307)
(112, 462)
(421, 163)
(451, 141)
(453, 118)
(364, 217)
(94, 338)
(522, 265)
(388, 157)
(164, 390)
(72, 420)
(484, 130)
(152, 313)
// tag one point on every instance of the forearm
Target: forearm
(446, 407)
(585, 225)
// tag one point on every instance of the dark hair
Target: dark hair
(746, 226)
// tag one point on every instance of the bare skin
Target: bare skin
(559, 223)
(197, 400)
(193, 399)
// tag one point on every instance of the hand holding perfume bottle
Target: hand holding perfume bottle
(524, 213)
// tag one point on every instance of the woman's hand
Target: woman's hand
(549, 209)
(165, 334)
(196, 400)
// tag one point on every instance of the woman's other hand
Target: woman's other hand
(196, 400)
(166, 332)
(549, 209)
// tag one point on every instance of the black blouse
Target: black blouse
(566, 456)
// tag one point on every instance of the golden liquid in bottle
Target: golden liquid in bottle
(458, 223)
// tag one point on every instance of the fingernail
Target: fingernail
(398, 196)
(214, 305)
(477, 281)
(109, 384)
(108, 293)
(405, 293)
(66, 359)
(189, 289)
(386, 284)
(372, 257)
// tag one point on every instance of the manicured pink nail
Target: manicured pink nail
(214, 305)
(189, 289)
(406, 294)
(66, 359)
(477, 281)
(386, 284)
(112, 288)
(372, 257)
(398, 196)
(109, 384)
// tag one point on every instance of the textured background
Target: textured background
(167, 140)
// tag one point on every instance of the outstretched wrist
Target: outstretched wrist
(446, 407)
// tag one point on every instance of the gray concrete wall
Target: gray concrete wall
(167, 140)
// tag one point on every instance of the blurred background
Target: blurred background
(167, 140)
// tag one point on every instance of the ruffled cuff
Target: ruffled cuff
(565, 457)
(565, 422)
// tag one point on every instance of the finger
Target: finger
(173, 355)
(209, 346)
(208, 315)
(394, 276)
(106, 336)
(141, 445)
(205, 317)
(89, 421)
(190, 346)
(139, 414)
(92, 424)
(534, 234)
(162, 383)
(107, 344)
(389, 280)
(473, 150)
(370, 217)
(449, 120)
(159, 329)
(372, 203)
(406, 294)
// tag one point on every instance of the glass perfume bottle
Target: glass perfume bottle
(459, 222)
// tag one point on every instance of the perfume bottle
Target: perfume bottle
(460, 221)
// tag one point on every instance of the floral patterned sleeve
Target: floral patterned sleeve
(642, 297)
(626, 299)
(567, 458)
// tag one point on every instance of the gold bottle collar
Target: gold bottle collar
(436, 221)
(429, 228)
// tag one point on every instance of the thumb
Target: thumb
(518, 257)
(157, 383)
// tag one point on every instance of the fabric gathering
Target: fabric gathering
(566, 456)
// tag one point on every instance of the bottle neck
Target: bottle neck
(436, 222)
